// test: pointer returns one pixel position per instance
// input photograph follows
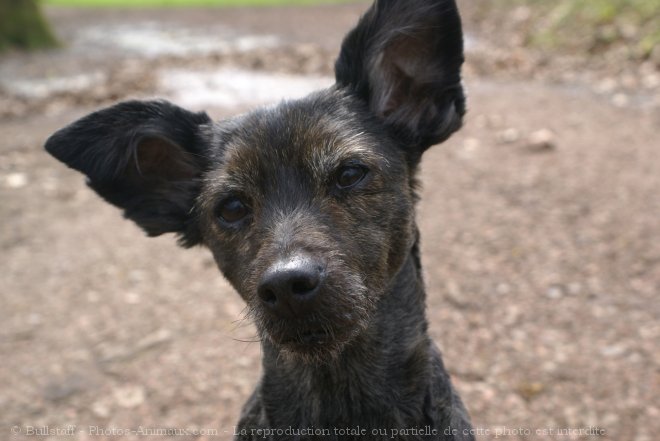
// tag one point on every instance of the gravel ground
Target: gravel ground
(539, 220)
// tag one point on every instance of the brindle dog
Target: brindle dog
(309, 210)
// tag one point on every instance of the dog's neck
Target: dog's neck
(391, 362)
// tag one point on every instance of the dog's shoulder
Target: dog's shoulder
(443, 405)
(253, 424)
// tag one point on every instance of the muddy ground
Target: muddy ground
(542, 256)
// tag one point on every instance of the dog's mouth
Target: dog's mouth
(307, 341)
(340, 312)
(311, 345)
(309, 337)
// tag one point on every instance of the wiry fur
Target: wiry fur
(361, 357)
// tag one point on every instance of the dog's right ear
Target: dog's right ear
(404, 59)
(145, 157)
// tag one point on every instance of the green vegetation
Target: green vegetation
(595, 24)
(156, 3)
(22, 26)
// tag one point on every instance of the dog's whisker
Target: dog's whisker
(255, 340)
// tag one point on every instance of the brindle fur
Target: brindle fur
(398, 92)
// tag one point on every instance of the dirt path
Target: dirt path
(542, 261)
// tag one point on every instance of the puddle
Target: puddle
(153, 40)
(229, 88)
(82, 65)
(38, 88)
(470, 42)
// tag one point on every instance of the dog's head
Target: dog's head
(308, 206)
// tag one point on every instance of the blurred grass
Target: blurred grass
(156, 3)
(594, 24)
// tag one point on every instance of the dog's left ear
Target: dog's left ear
(145, 157)
(404, 59)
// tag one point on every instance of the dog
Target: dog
(308, 207)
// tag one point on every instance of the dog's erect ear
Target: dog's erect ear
(404, 58)
(145, 157)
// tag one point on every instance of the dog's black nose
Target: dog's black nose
(289, 287)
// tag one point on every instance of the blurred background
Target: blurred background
(540, 219)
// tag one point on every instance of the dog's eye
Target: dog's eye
(232, 210)
(350, 176)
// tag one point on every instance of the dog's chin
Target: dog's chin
(313, 346)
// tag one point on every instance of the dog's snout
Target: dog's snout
(289, 288)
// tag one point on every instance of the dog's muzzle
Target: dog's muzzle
(289, 289)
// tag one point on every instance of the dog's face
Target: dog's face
(308, 209)
(308, 206)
